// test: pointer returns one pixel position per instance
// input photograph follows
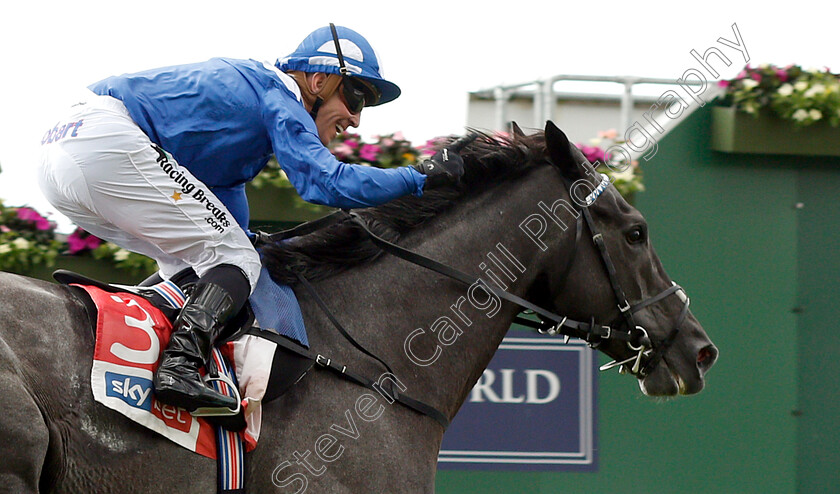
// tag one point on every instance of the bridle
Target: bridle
(648, 354)
(625, 328)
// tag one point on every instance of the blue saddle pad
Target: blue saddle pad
(276, 308)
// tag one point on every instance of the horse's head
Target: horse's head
(615, 277)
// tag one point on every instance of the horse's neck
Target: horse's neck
(438, 334)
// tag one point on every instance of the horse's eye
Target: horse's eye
(636, 235)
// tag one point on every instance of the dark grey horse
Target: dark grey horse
(329, 435)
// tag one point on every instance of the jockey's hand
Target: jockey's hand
(445, 167)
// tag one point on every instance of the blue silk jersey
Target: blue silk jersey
(224, 118)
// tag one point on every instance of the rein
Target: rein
(594, 334)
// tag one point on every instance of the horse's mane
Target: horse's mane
(488, 161)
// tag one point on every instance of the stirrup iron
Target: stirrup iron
(219, 411)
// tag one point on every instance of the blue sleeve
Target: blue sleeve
(236, 201)
(316, 174)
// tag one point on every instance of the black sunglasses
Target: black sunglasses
(357, 94)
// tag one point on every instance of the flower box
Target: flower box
(738, 132)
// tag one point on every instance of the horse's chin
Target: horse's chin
(665, 382)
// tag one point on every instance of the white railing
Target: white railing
(545, 97)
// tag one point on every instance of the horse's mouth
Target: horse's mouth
(676, 374)
(665, 381)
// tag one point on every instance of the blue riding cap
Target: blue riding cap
(317, 53)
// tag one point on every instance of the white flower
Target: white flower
(121, 255)
(800, 86)
(5, 249)
(595, 141)
(815, 90)
(785, 90)
(626, 174)
(800, 115)
(815, 114)
(749, 83)
(21, 243)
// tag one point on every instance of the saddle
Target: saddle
(291, 363)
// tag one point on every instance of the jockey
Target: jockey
(157, 161)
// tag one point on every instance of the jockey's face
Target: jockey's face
(333, 116)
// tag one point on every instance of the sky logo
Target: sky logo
(136, 391)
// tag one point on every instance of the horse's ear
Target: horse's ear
(561, 153)
(515, 130)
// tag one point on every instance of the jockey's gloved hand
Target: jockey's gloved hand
(445, 167)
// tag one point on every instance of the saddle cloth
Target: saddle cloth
(130, 335)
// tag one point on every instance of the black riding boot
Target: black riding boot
(177, 380)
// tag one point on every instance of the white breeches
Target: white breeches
(102, 172)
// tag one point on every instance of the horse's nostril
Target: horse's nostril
(706, 357)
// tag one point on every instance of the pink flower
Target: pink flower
(756, 76)
(75, 245)
(93, 242)
(80, 240)
(4, 229)
(398, 136)
(352, 141)
(723, 83)
(592, 153)
(342, 151)
(782, 75)
(29, 214)
(368, 152)
(431, 145)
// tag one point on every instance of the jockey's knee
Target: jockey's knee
(233, 279)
